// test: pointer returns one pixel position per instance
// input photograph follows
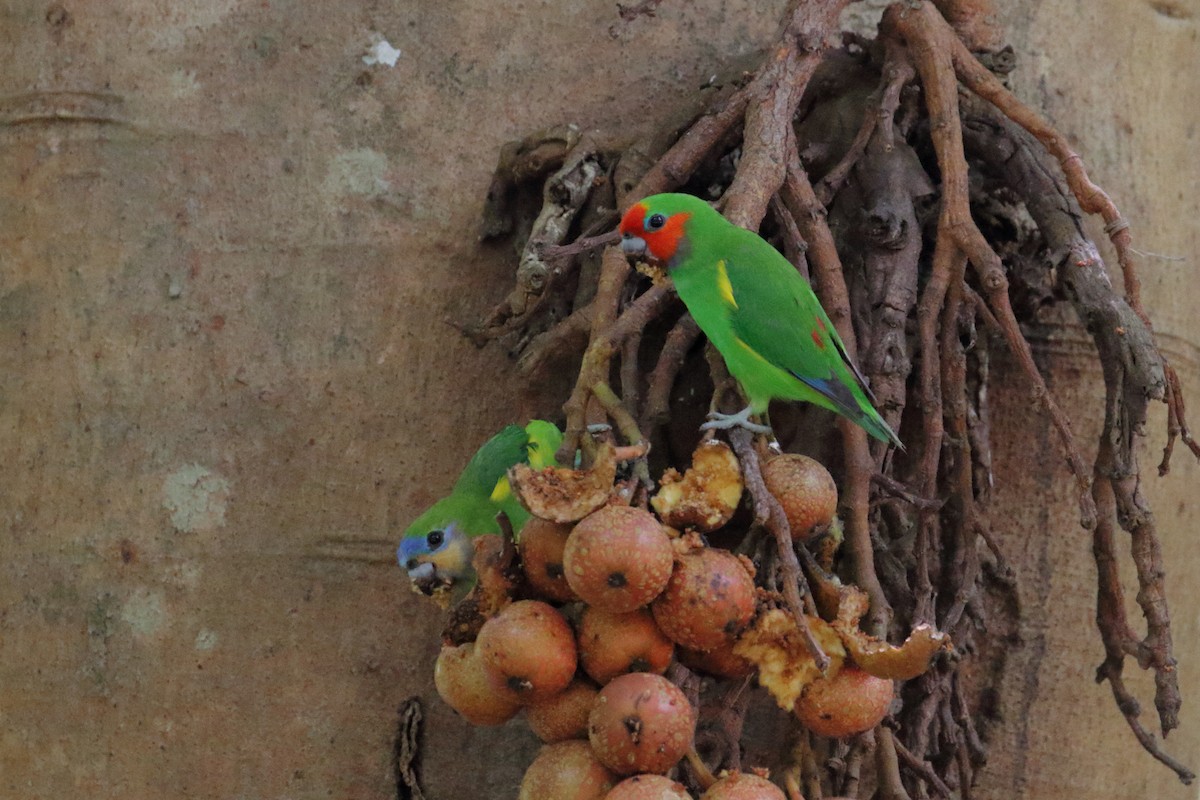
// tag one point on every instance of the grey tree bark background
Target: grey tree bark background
(228, 246)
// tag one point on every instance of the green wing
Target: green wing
(486, 474)
(777, 315)
(437, 548)
(491, 462)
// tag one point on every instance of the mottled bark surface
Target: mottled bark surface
(227, 248)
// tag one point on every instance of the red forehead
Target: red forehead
(663, 243)
(634, 219)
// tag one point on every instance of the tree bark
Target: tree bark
(228, 249)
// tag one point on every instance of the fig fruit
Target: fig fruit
(462, 682)
(565, 715)
(743, 786)
(566, 771)
(706, 496)
(541, 547)
(529, 648)
(614, 644)
(849, 703)
(648, 787)
(708, 601)
(618, 558)
(641, 723)
(806, 491)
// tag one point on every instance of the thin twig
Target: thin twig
(776, 91)
(608, 332)
(795, 587)
(586, 245)
(879, 115)
(922, 768)
(898, 489)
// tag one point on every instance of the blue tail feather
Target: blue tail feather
(848, 405)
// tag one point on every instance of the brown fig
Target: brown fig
(708, 601)
(529, 648)
(849, 703)
(806, 491)
(618, 558)
(565, 715)
(462, 682)
(541, 548)
(641, 723)
(566, 771)
(614, 644)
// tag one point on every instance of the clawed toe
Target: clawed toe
(718, 421)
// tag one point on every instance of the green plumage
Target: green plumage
(490, 464)
(437, 547)
(760, 313)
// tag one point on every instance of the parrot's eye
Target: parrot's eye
(655, 221)
(435, 538)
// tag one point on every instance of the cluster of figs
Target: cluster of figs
(577, 623)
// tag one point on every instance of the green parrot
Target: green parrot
(755, 308)
(437, 547)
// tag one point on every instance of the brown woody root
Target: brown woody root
(1133, 375)
(827, 142)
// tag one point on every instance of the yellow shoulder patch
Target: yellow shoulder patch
(502, 491)
(723, 284)
(751, 350)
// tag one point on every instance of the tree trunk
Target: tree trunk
(228, 251)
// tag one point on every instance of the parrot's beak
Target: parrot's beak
(446, 565)
(428, 580)
(424, 571)
(633, 245)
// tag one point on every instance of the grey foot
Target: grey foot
(723, 422)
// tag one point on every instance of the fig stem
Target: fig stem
(795, 586)
(704, 775)
(618, 413)
(508, 551)
(792, 784)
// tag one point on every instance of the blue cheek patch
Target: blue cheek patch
(415, 546)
